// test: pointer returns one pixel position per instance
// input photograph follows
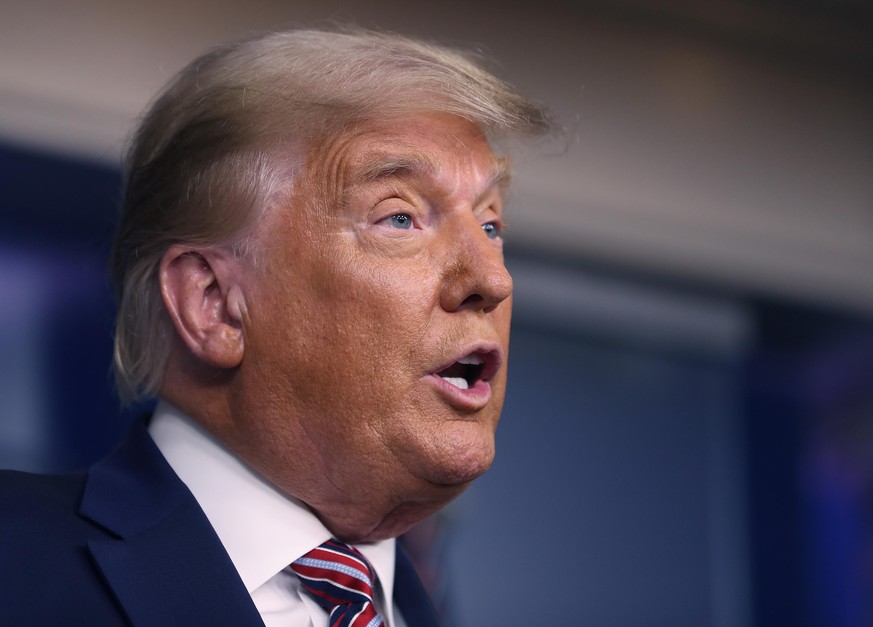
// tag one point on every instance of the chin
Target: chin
(460, 463)
(460, 476)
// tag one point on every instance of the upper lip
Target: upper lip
(490, 353)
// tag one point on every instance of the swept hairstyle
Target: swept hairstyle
(214, 147)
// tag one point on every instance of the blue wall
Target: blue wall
(660, 485)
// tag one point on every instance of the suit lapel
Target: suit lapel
(409, 593)
(165, 564)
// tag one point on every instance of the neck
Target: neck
(353, 506)
(355, 526)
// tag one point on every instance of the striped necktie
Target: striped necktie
(341, 580)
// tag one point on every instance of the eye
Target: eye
(492, 230)
(400, 221)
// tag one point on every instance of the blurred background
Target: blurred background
(688, 437)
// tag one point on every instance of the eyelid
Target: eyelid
(492, 212)
(394, 203)
(383, 218)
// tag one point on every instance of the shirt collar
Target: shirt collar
(262, 529)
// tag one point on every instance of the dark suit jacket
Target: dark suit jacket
(127, 543)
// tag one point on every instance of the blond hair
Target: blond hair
(204, 162)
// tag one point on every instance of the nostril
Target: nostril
(472, 301)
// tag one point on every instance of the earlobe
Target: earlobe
(204, 303)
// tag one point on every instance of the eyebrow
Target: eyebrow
(382, 166)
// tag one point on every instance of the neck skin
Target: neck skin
(219, 400)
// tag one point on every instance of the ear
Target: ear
(205, 302)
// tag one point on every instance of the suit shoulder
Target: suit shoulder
(40, 520)
(28, 492)
(39, 505)
(47, 576)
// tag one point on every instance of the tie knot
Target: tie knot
(341, 580)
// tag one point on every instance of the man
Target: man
(310, 278)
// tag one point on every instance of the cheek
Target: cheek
(503, 318)
(357, 325)
(385, 304)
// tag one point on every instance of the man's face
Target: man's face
(378, 320)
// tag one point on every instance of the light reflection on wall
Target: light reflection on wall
(53, 357)
(24, 430)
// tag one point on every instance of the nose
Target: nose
(474, 277)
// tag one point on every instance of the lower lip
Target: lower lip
(471, 399)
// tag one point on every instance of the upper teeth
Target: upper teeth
(472, 360)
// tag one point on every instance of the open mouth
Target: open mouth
(470, 369)
(465, 372)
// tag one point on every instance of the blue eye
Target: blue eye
(400, 221)
(491, 230)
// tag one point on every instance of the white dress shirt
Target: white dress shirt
(262, 529)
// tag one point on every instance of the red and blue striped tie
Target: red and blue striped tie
(340, 579)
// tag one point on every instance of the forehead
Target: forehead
(439, 147)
